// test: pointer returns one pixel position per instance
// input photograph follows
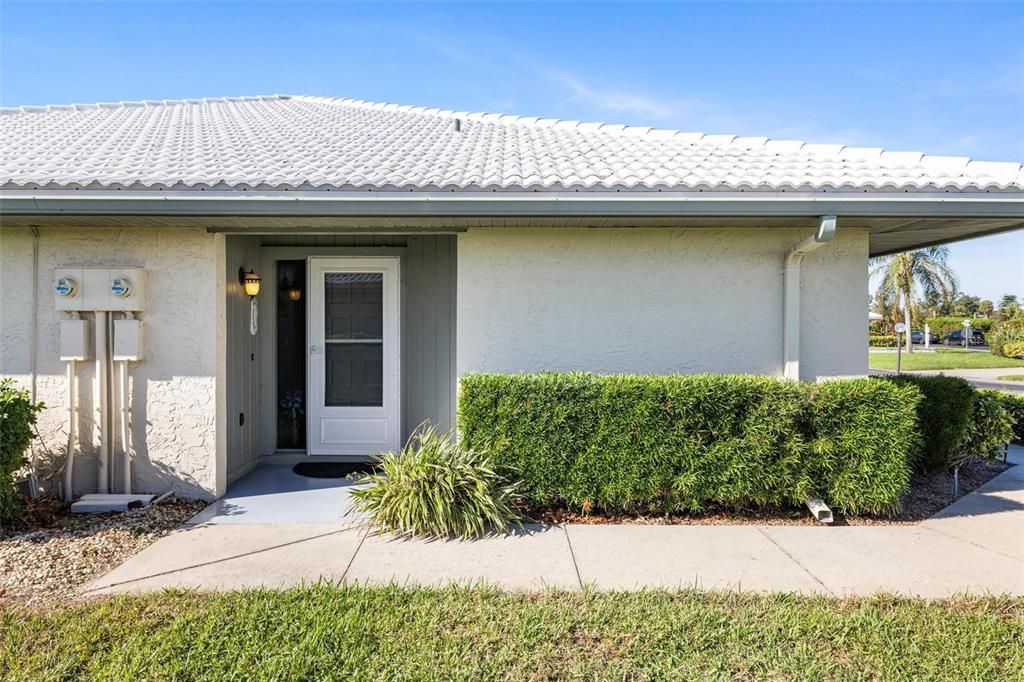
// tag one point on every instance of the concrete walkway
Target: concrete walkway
(975, 545)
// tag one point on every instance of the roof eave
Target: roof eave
(506, 203)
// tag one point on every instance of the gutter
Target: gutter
(791, 294)
(483, 203)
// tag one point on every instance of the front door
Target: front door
(353, 406)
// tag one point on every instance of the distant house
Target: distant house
(402, 247)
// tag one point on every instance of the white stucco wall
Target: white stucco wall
(177, 390)
(656, 301)
(604, 300)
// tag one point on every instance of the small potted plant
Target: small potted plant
(292, 403)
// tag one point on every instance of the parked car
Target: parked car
(957, 338)
(918, 337)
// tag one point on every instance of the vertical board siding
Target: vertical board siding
(243, 357)
(428, 275)
(428, 332)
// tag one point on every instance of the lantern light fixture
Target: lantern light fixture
(292, 289)
(250, 281)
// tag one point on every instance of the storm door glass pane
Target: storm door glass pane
(354, 336)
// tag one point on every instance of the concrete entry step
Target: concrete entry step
(276, 494)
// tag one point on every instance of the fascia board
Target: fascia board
(981, 205)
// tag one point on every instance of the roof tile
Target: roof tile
(285, 142)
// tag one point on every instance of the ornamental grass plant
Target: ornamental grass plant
(437, 487)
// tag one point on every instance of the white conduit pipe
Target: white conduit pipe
(791, 294)
(125, 411)
(102, 403)
(69, 461)
(33, 349)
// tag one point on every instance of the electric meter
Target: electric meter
(99, 288)
(121, 287)
(66, 286)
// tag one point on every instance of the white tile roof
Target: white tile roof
(295, 142)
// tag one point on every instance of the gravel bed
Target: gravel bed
(928, 494)
(55, 554)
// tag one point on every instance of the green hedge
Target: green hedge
(17, 425)
(865, 438)
(956, 422)
(944, 325)
(944, 419)
(682, 442)
(992, 427)
(631, 443)
(536, 425)
(882, 341)
(1014, 404)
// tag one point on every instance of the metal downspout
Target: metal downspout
(791, 294)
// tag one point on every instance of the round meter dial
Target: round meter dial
(121, 287)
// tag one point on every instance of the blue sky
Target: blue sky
(943, 78)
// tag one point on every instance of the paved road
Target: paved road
(975, 545)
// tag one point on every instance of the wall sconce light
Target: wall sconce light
(292, 289)
(250, 281)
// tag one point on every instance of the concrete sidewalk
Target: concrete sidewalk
(975, 545)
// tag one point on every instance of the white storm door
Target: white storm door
(353, 356)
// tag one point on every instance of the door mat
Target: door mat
(334, 469)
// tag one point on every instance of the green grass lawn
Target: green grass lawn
(943, 358)
(396, 633)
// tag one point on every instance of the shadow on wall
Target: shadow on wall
(160, 475)
(172, 463)
(160, 478)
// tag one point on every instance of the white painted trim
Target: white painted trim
(221, 382)
(1004, 203)
(391, 410)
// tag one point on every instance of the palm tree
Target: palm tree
(1009, 307)
(903, 273)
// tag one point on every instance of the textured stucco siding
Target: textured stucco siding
(176, 399)
(656, 301)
